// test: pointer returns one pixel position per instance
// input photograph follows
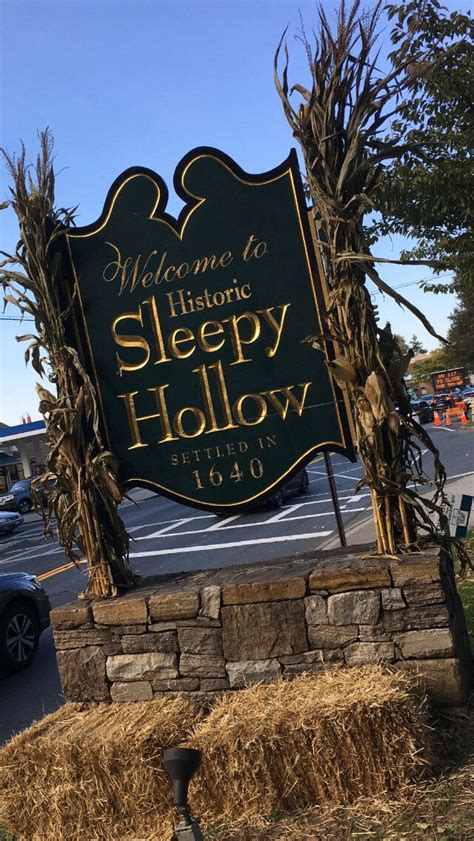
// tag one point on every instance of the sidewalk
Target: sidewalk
(364, 531)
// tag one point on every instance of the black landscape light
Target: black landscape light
(181, 764)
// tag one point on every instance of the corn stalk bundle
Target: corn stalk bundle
(338, 124)
(81, 474)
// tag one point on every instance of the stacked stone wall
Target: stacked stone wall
(222, 630)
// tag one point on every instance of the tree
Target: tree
(461, 348)
(426, 193)
(416, 346)
(402, 343)
(421, 371)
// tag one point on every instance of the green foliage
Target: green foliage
(461, 349)
(421, 371)
(426, 194)
(416, 346)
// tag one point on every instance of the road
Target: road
(171, 537)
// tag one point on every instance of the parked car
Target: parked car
(423, 410)
(9, 521)
(19, 497)
(297, 486)
(24, 615)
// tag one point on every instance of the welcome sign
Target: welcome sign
(193, 330)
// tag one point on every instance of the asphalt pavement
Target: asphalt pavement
(170, 537)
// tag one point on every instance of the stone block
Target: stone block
(264, 591)
(141, 643)
(211, 602)
(246, 672)
(421, 594)
(214, 684)
(122, 611)
(303, 668)
(138, 690)
(414, 618)
(184, 605)
(392, 598)
(355, 576)
(440, 679)
(78, 638)
(119, 630)
(71, 616)
(316, 611)
(415, 571)
(82, 673)
(373, 633)
(201, 666)
(369, 652)
(200, 640)
(332, 656)
(430, 643)
(331, 636)
(354, 608)
(153, 664)
(262, 631)
(111, 648)
(181, 684)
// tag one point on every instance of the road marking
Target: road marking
(57, 570)
(242, 525)
(28, 555)
(221, 523)
(234, 545)
(286, 511)
(174, 525)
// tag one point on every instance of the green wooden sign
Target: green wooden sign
(193, 329)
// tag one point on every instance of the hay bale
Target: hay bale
(319, 740)
(93, 772)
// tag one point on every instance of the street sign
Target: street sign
(458, 514)
(192, 329)
(446, 380)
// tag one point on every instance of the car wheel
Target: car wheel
(19, 637)
(277, 499)
(25, 506)
(305, 484)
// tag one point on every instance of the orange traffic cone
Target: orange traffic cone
(448, 418)
(464, 418)
(436, 419)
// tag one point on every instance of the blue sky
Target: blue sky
(141, 82)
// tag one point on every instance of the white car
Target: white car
(9, 521)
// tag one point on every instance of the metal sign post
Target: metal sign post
(335, 499)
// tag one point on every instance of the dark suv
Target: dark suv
(422, 409)
(24, 614)
(19, 497)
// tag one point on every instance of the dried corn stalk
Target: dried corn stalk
(339, 124)
(82, 474)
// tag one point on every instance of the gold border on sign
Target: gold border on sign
(200, 200)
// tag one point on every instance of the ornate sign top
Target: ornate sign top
(193, 330)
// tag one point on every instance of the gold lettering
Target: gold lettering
(174, 340)
(155, 323)
(200, 419)
(204, 333)
(130, 341)
(291, 399)
(134, 420)
(276, 326)
(236, 338)
(238, 409)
